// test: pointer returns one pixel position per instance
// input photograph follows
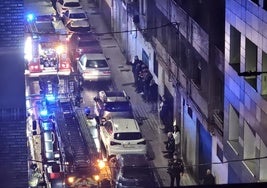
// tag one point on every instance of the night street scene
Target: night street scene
(133, 93)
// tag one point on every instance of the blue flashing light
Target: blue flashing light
(43, 112)
(50, 97)
(30, 17)
(47, 126)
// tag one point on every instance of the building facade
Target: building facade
(182, 43)
(195, 50)
(245, 107)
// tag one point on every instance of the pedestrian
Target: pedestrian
(164, 111)
(146, 81)
(136, 68)
(170, 145)
(176, 136)
(208, 179)
(175, 170)
(153, 95)
(138, 77)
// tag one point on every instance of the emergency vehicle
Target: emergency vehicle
(68, 157)
(45, 43)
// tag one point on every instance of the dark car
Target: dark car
(80, 44)
(112, 101)
(133, 170)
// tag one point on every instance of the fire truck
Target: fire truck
(68, 157)
(45, 49)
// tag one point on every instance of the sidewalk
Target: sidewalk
(123, 78)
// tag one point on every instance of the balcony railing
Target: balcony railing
(218, 120)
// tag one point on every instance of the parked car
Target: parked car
(133, 170)
(78, 26)
(63, 5)
(120, 135)
(94, 67)
(112, 101)
(81, 43)
(74, 14)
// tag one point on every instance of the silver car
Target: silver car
(94, 67)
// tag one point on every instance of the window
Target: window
(255, 1)
(96, 64)
(233, 136)
(264, 75)
(251, 62)
(263, 162)
(249, 150)
(156, 67)
(128, 136)
(235, 37)
(265, 4)
(219, 153)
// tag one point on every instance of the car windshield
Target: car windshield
(128, 136)
(77, 16)
(72, 4)
(88, 43)
(115, 94)
(118, 106)
(96, 64)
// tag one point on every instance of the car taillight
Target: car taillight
(114, 143)
(143, 142)
(64, 65)
(34, 67)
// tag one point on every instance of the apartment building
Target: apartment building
(182, 42)
(245, 106)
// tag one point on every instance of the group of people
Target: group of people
(144, 82)
(176, 171)
(145, 85)
(175, 165)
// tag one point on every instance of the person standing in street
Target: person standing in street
(175, 170)
(176, 136)
(136, 68)
(170, 145)
(153, 95)
(163, 113)
(209, 179)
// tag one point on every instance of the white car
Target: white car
(94, 67)
(78, 26)
(63, 5)
(74, 15)
(121, 135)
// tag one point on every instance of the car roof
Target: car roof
(75, 1)
(76, 10)
(125, 125)
(137, 160)
(94, 56)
